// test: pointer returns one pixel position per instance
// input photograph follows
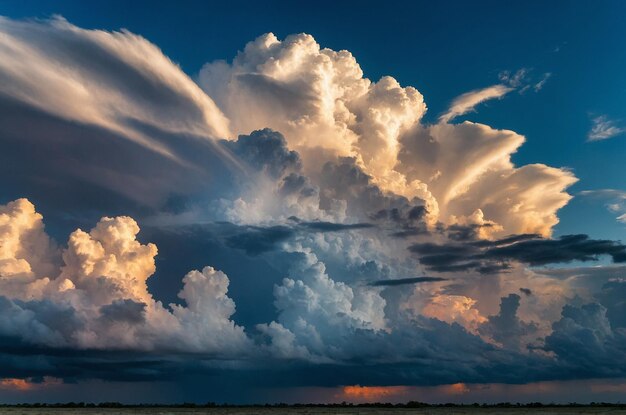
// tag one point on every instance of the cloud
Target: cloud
(469, 175)
(158, 148)
(539, 85)
(457, 309)
(257, 240)
(522, 80)
(603, 128)
(493, 256)
(98, 298)
(467, 102)
(116, 123)
(109, 79)
(616, 200)
(317, 97)
(265, 150)
(585, 342)
(526, 291)
(305, 182)
(317, 94)
(612, 297)
(372, 393)
(505, 327)
(334, 227)
(97, 313)
(404, 281)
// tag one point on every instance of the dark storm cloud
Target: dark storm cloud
(526, 291)
(256, 240)
(465, 232)
(78, 173)
(492, 256)
(613, 298)
(265, 150)
(294, 183)
(404, 281)
(433, 353)
(345, 180)
(38, 321)
(334, 227)
(429, 359)
(505, 327)
(584, 342)
(564, 249)
(127, 310)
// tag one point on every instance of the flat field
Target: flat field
(311, 411)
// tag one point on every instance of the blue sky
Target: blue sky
(313, 231)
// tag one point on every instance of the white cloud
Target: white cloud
(615, 200)
(316, 308)
(467, 102)
(114, 80)
(522, 80)
(603, 128)
(539, 85)
(98, 298)
(318, 98)
(320, 101)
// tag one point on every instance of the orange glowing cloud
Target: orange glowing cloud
(455, 389)
(368, 393)
(15, 384)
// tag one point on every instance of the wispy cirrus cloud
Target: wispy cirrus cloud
(467, 102)
(615, 200)
(603, 128)
(521, 81)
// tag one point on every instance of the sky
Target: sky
(332, 201)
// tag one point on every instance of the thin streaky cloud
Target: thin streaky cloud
(604, 128)
(615, 200)
(539, 85)
(467, 102)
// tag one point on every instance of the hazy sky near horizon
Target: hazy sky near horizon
(322, 201)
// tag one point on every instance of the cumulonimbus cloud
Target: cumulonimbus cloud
(326, 109)
(338, 184)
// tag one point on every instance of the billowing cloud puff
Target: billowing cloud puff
(99, 297)
(468, 170)
(26, 251)
(325, 108)
(315, 307)
(317, 97)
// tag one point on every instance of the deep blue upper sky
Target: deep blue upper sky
(443, 49)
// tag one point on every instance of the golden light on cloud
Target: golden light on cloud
(456, 389)
(368, 393)
(15, 384)
(455, 309)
